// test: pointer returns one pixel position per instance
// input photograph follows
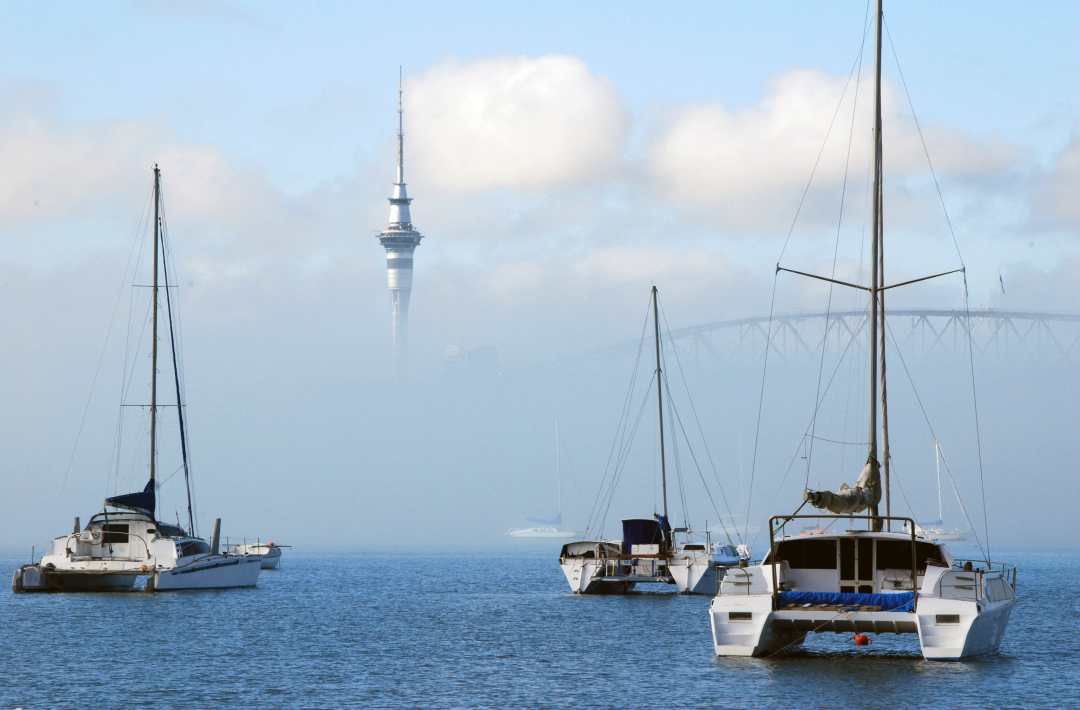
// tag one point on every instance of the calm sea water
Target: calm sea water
(496, 630)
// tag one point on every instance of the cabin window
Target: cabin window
(192, 547)
(114, 533)
(808, 554)
(896, 554)
(947, 618)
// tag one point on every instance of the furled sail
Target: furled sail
(866, 493)
(142, 502)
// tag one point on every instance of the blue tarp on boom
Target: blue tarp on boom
(893, 601)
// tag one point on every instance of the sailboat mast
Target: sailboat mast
(660, 399)
(154, 333)
(874, 255)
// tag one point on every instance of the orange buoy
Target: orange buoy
(862, 640)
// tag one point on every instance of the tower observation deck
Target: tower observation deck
(400, 239)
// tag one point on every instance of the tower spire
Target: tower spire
(400, 239)
(400, 127)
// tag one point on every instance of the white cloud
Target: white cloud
(512, 122)
(748, 165)
(1056, 193)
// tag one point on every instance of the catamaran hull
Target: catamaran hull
(585, 577)
(977, 631)
(695, 576)
(271, 559)
(214, 572)
(33, 578)
(747, 626)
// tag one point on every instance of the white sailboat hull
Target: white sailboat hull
(210, 572)
(271, 559)
(694, 575)
(586, 576)
(748, 626)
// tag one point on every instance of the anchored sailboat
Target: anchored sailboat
(863, 580)
(549, 528)
(935, 529)
(648, 551)
(126, 542)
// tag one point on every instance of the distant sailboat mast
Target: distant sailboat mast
(558, 475)
(154, 339)
(660, 399)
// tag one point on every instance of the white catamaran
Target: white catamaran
(880, 575)
(649, 551)
(125, 546)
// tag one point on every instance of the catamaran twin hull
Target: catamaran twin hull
(857, 583)
(217, 572)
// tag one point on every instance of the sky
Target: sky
(562, 159)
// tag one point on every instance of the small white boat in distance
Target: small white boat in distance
(268, 552)
(541, 533)
(934, 529)
(548, 528)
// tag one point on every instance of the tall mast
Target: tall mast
(179, 393)
(660, 398)
(872, 458)
(154, 333)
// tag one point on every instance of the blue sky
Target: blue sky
(562, 157)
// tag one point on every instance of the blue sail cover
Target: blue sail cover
(893, 601)
(142, 502)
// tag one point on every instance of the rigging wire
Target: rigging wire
(832, 378)
(933, 433)
(700, 428)
(132, 251)
(675, 448)
(701, 474)
(776, 276)
(625, 453)
(967, 301)
(618, 439)
(176, 374)
(836, 254)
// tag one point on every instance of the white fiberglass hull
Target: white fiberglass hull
(209, 572)
(585, 576)
(747, 626)
(694, 575)
(271, 559)
(35, 578)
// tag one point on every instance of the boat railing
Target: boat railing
(130, 535)
(984, 568)
(777, 523)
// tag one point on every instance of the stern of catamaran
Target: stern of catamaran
(858, 581)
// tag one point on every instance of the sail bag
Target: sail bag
(865, 495)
